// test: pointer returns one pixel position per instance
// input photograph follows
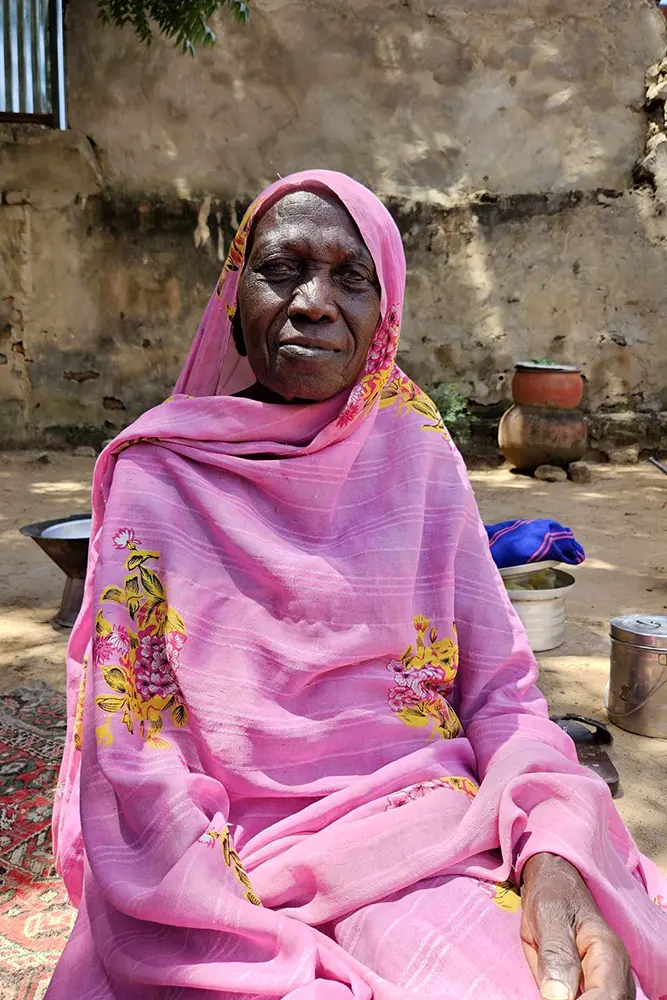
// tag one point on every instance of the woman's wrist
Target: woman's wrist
(548, 866)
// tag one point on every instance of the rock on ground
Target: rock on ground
(550, 474)
(580, 472)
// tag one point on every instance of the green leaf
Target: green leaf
(174, 622)
(128, 721)
(102, 626)
(155, 725)
(179, 716)
(115, 678)
(151, 583)
(136, 560)
(156, 742)
(113, 594)
(183, 21)
(110, 704)
(133, 605)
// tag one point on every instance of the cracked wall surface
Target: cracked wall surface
(515, 143)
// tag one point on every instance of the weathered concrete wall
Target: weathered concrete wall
(505, 137)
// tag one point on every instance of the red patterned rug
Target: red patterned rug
(35, 916)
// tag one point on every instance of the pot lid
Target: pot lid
(528, 569)
(532, 366)
(641, 630)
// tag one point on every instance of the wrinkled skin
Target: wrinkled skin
(309, 305)
(309, 300)
(565, 939)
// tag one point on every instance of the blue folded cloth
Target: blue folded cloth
(515, 543)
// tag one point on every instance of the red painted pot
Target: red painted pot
(545, 385)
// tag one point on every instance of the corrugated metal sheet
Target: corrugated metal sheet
(32, 79)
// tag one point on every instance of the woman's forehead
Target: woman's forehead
(306, 216)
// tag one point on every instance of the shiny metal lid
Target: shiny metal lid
(641, 630)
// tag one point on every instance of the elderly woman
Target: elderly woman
(307, 757)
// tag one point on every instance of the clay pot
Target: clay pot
(538, 435)
(547, 386)
(544, 426)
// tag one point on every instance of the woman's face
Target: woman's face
(308, 299)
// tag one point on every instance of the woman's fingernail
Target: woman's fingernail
(553, 989)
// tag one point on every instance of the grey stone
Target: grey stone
(657, 91)
(550, 474)
(43, 459)
(580, 472)
(624, 456)
(85, 451)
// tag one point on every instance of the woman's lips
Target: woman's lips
(307, 348)
(307, 352)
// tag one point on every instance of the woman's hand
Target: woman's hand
(565, 938)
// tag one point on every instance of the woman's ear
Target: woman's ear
(237, 334)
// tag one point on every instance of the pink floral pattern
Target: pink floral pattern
(422, 788)
(376, 371)
(125, 538)
(423, 679)
(139, 660)
(384, 346)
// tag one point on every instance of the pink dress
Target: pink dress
(307, 758)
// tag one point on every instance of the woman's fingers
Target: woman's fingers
(550, 947)
(558, 962)
(605, 963)
(566, 939)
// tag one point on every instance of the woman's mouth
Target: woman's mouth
(307, 348)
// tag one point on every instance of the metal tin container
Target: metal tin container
(542, 612)
(637, 689)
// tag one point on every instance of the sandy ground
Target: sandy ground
(620, 519)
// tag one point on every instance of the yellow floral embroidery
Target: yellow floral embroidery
(402, 392)
(466, 785)
(423, 680)
(138, 440)
(232, 860)
(78, 719)
(143, 682)
(504, 894)
(237, 250)
(507, 896)
(422, 788)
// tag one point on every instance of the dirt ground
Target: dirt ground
(620, 519)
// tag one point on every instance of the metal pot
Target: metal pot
(637, 691)
(66, 541)
(542, 612)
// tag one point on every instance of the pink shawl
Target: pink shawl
(297, 688)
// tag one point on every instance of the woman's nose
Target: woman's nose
(314, 299)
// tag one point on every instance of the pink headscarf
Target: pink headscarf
(306, 688)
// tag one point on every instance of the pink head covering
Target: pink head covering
(215, 368)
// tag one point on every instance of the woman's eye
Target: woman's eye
(354, 278)
(274, 270)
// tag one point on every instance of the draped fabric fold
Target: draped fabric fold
(307, 758)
